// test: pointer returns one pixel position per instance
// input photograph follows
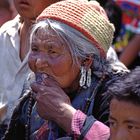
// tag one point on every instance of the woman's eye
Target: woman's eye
(34, 49)
(130, 127)
(53, 53)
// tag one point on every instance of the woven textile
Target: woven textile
(87, 17)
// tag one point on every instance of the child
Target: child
(5, 12)
(125, 107)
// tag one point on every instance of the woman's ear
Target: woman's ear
(88, 62)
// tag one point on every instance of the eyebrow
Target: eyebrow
(112, 118)
(126, 121)
(132, 122)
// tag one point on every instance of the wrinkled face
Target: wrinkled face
(32, 8)
(51, 55)
(124, 120)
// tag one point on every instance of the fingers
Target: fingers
(45, 79)
(36, 87)
(51, 82)
(38, 91)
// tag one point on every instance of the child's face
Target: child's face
(124, 120)
(32, 8)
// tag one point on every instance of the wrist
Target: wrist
(65, 120)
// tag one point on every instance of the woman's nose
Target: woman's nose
(41, 64)
(38, 62)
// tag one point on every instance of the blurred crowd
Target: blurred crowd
(7, 11)
(104, 81)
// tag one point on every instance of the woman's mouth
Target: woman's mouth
(24, 3)
(40, 76)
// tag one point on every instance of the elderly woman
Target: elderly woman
(68, 56)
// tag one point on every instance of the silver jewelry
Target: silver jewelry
(82, 81)
(88, 81)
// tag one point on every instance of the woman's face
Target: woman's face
(32, 8)
(50, 55)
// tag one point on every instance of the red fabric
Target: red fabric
(77, 123)
(98, 131)
(42, 131)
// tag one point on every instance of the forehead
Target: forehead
(124, 110)
(46, 34)
(46, 37)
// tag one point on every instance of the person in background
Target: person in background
(14, 46)
(102, 2)
(114, 14)
(131, 54)
(13, 8)
(69, 42)
(128, 42)
(124, 115)
(6, 12)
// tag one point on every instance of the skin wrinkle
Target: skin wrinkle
(60, 50)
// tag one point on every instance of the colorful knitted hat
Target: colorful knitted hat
(87, 17)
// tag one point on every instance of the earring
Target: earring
(88, 81)
(82, 81)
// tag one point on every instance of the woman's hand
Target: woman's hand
(53, 103)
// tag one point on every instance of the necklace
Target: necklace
(29, 111)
